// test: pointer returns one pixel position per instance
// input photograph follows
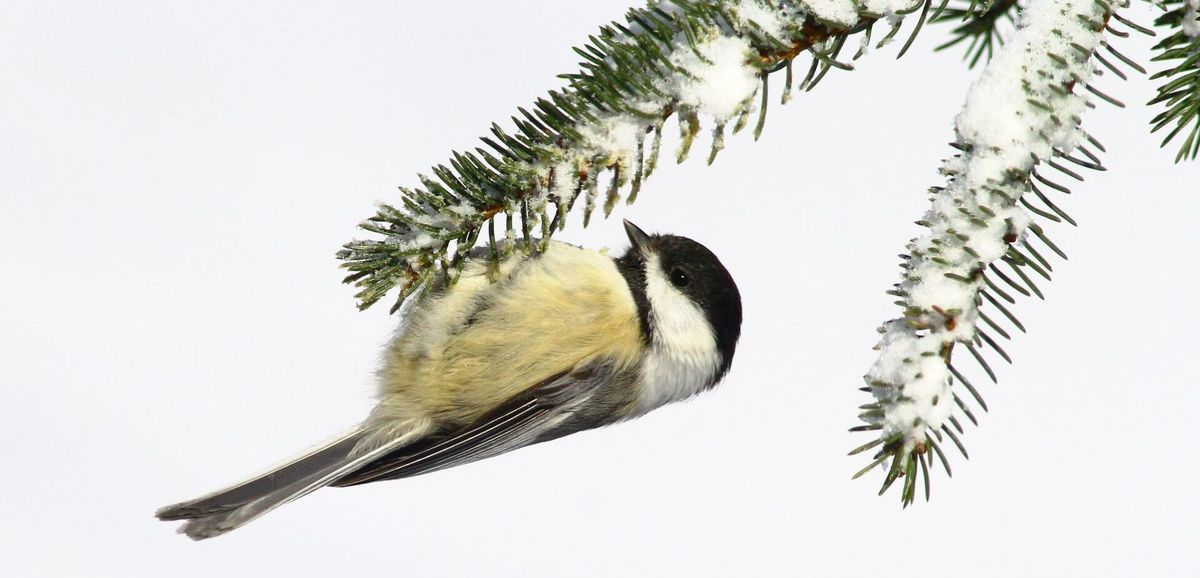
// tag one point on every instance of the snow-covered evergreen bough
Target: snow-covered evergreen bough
(1018, 138)
(1020, 125)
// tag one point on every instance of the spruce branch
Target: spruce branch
(1018, 138)
(689, 59)
(981, 25)
(1180, 91)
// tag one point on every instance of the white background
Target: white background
(176, 176)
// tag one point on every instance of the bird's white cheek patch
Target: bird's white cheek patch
(683, 356)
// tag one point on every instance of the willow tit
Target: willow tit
(561, 341)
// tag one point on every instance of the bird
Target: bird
(538, 347)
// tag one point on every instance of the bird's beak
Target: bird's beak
(638, 237)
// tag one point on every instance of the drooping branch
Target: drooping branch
(1020, 124)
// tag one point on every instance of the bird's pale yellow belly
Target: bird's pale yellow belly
(462, 352)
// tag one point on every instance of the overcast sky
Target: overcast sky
(175, 178)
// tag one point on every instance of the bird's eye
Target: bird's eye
(679, 278)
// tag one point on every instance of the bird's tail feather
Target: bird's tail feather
(232, 507)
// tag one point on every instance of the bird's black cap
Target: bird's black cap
(696, 272)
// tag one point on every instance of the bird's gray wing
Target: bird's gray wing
(550, 409)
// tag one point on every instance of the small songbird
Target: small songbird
(556, 342)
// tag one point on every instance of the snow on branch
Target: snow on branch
(599, 137)
(1190, 19)
(1021, 117)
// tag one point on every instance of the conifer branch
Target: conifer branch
(979, 24)
(689, 59)
(1180, 91)
(986, 243)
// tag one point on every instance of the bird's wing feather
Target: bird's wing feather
(522, 420)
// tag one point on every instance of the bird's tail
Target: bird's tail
(232, 507)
